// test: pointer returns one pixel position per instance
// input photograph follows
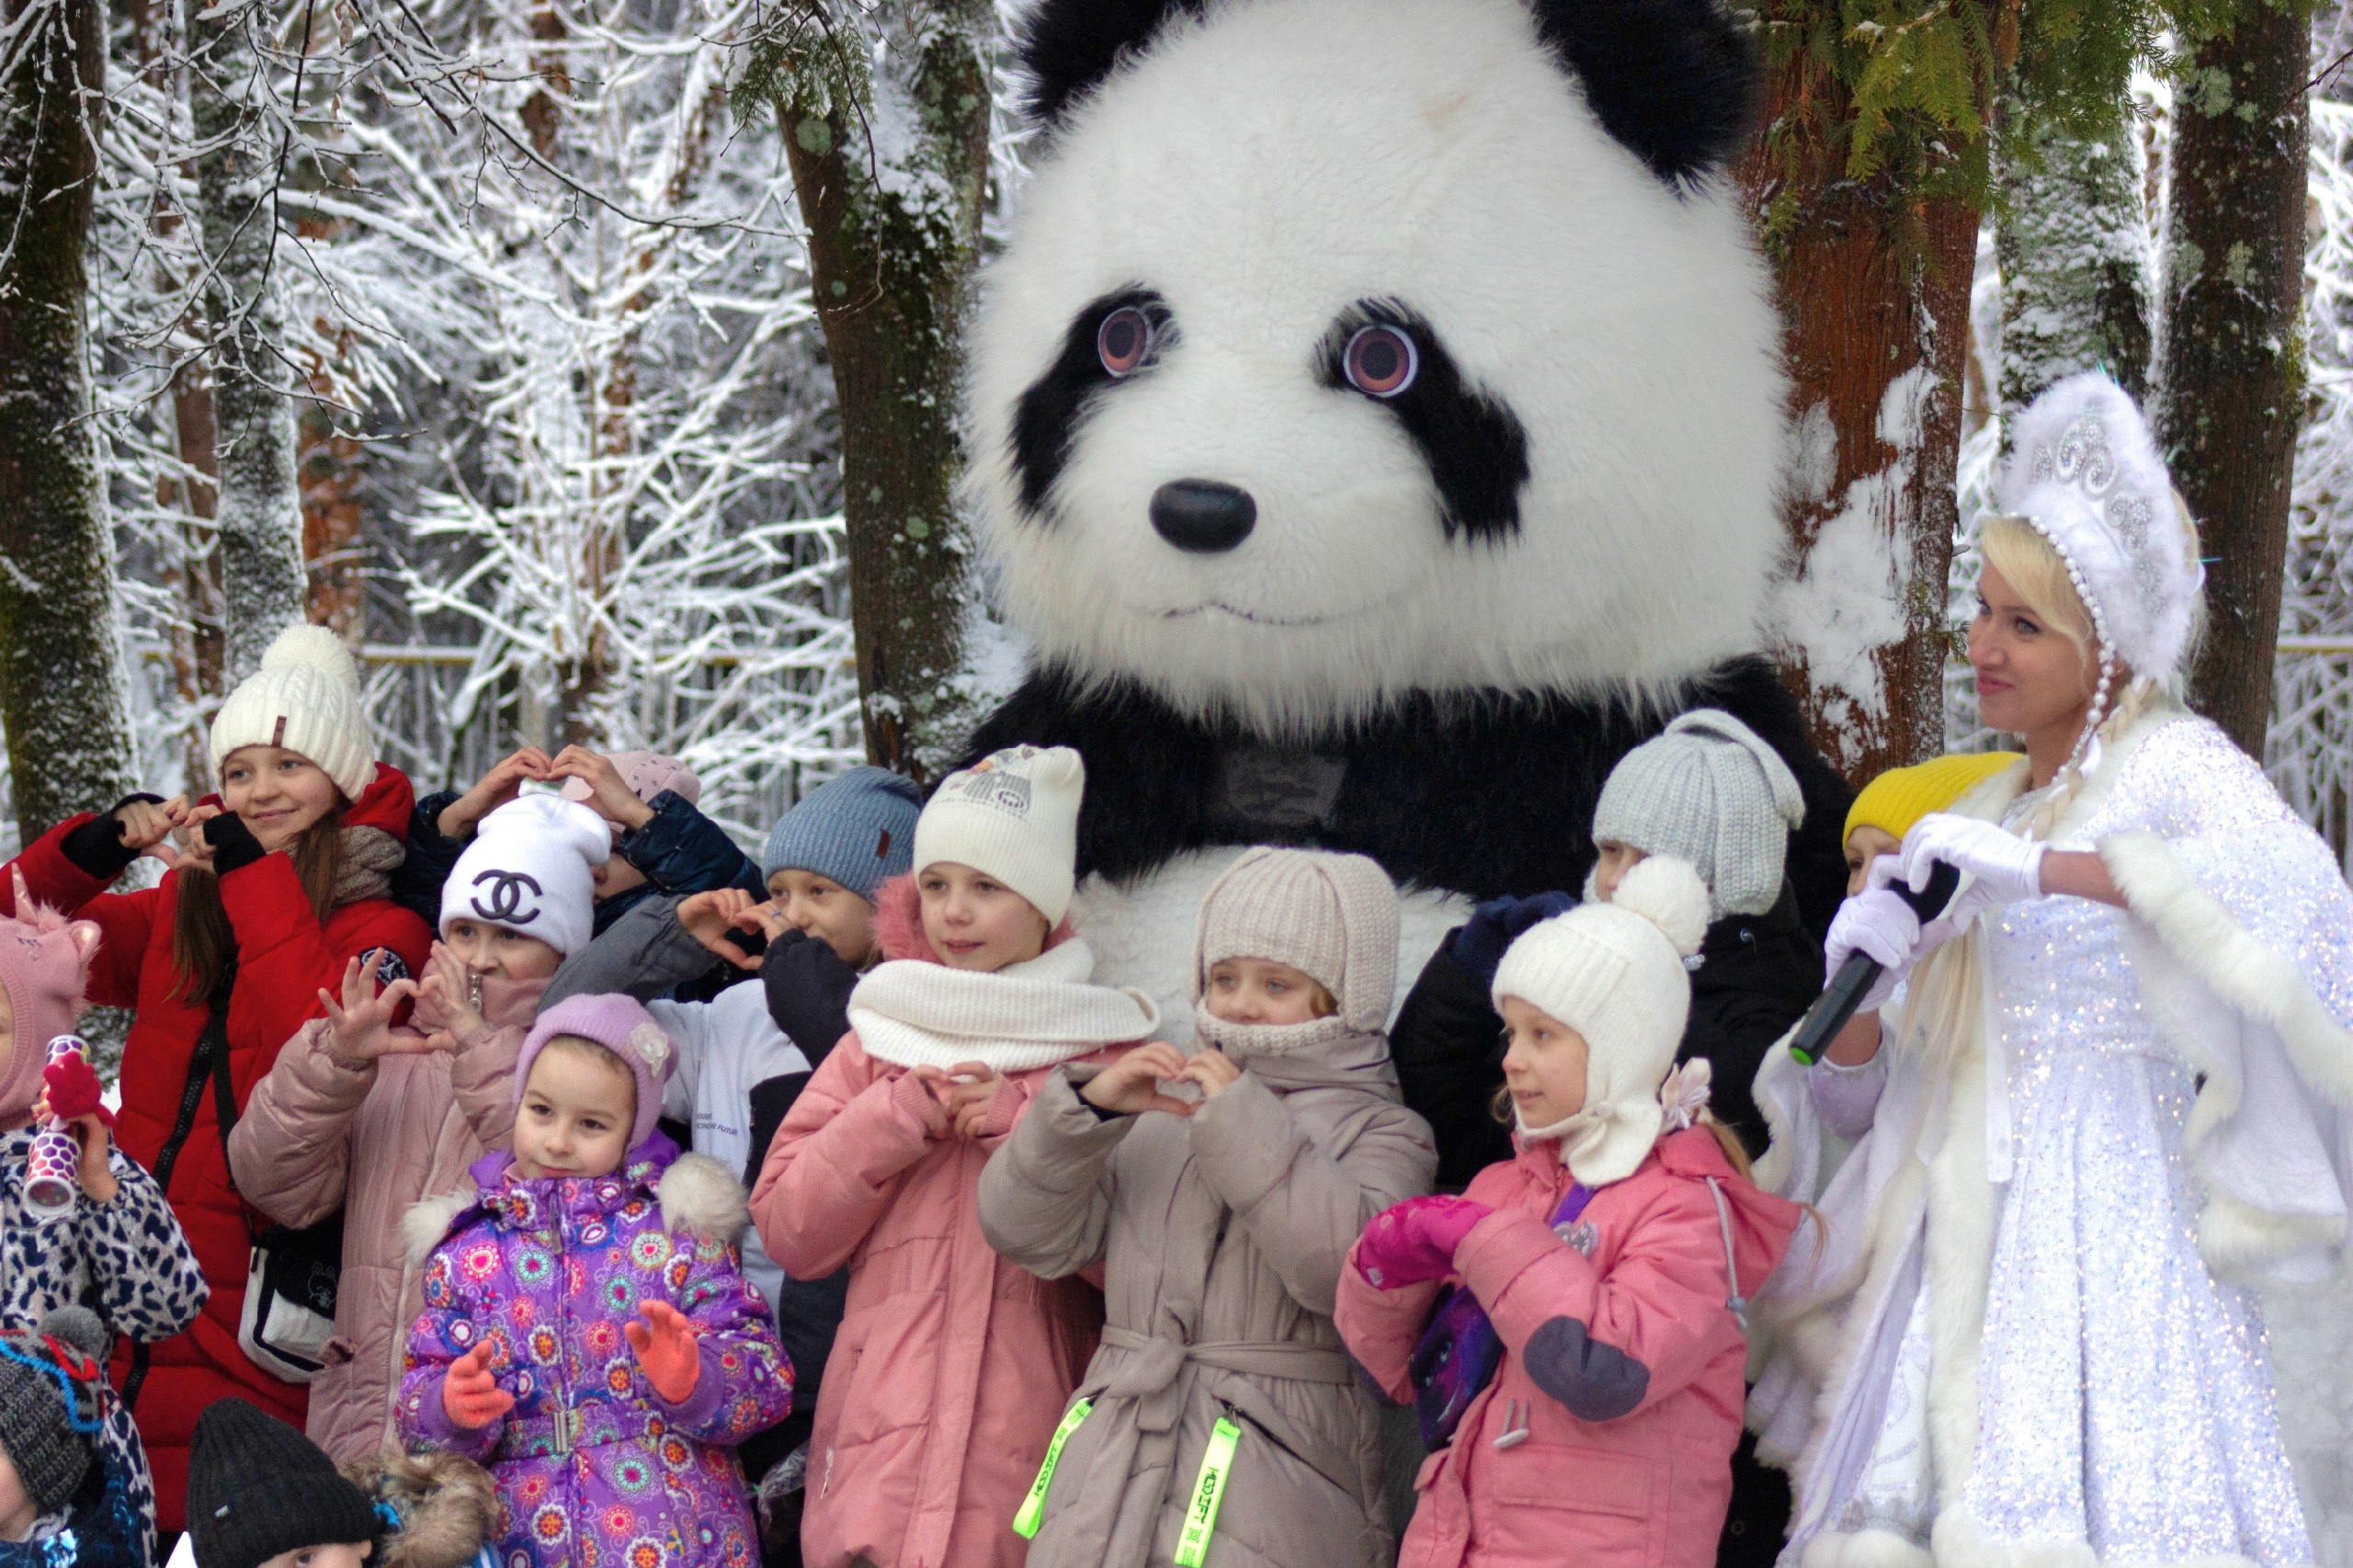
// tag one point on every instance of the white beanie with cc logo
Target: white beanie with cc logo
(531, 868)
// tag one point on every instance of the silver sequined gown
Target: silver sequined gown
(2124, 1395)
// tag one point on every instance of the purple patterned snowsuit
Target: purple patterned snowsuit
(595, 1469)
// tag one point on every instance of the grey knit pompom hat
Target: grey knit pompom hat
(1710, 791)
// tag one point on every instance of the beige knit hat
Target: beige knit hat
(1614, 973)
(1013, 815)
(1708, 790)
(1332, 917)
(304, 698)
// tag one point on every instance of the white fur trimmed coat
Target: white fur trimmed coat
(2022, 1342)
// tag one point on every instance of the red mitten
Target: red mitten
(666, 1350)
(1416, 1239)
(471, 1396)
(74, 1089)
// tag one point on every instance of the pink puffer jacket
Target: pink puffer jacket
(1640, 1340)
(317, 1137)
(952, 1366)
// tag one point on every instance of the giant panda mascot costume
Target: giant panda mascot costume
(1376, 421)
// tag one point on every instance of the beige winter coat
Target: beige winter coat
(1221, 1237)
(318, 1137)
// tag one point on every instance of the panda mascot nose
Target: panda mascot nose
(1202, 516)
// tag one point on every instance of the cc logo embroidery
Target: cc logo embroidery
(506, 890)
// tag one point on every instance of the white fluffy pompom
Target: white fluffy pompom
(315, 646)
(1669, 894)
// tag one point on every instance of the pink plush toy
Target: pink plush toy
(44, 965)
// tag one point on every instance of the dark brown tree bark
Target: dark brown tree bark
(894, 232)
(62, 679)
(2230, 373)
(1873, 283)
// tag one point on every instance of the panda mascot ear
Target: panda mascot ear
(1069, 46)
(1674, 81)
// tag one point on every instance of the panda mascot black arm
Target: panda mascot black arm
(1376, 421)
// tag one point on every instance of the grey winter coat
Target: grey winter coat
(1221, 1237)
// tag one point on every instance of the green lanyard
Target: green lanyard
(1208, 1491)
(1033, 1508)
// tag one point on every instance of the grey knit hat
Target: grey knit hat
(1709, 792)
(49, 1403)
(857, 830)
(1332, 917)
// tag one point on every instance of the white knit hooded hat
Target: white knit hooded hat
(1614, 973)
(306, 698)
(531, 868)
(1331, 916)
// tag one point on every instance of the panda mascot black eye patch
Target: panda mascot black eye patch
(1477, 451)
(1049, 411)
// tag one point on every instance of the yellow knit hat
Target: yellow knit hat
(1902, 796)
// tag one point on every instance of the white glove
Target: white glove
(2004, 868)
(1880, 926)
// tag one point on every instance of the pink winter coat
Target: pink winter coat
(1640, 1338)
(318, 1137)
(952, 1366)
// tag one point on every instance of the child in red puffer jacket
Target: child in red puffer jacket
(1608, 1261)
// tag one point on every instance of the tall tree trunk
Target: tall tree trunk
(2231, 364)
(259, 507)
(2072, 233)
(62, 685)
(892, 183)
(1873, 282)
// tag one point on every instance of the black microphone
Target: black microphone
(1845, 993)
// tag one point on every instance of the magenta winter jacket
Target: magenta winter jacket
(592, 1466)
(1640, 1337)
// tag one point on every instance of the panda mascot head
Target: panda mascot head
(1375, 420)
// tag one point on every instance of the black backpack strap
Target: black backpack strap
(209, 1060)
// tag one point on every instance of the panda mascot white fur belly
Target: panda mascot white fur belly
(1376, 420)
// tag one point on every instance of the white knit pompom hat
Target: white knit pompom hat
(1013, 816)
(306, 698)
(1614, 973)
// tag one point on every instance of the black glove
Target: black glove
(96, 848)
(1477, 945)
(234, 844)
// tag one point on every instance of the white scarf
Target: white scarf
(1024, 1015)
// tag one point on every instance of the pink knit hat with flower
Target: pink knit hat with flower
(622, 1025)
(44, 967)
(647, 774)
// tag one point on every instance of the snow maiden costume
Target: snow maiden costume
(2027, 1337)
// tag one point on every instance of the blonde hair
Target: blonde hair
(2035, 570)
(2033, 567)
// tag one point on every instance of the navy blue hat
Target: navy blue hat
(857, 830)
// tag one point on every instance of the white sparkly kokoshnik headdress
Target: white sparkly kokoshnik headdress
(2087, 475)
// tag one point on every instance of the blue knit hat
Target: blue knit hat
(857, 830)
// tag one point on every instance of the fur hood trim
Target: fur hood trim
(427, 1223)
(701, 1198)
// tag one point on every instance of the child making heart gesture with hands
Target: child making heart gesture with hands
(589, 1334)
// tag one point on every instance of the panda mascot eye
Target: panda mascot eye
(1380, 361)
(1124, 342)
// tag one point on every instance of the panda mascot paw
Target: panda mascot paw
(1376, 421)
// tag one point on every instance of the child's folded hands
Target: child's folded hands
(664, 1344)
(471, 1396)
